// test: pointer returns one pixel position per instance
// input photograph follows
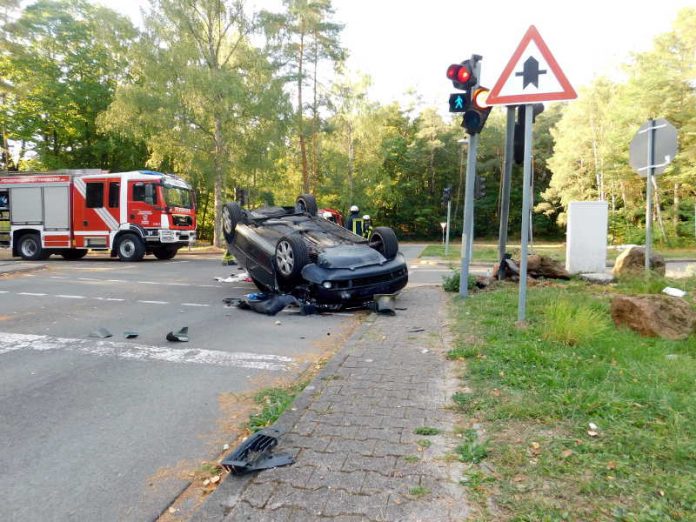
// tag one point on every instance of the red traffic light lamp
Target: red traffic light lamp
(462, 75)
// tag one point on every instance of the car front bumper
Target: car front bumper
(344, 285)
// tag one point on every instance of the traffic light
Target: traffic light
(472, 102)
(518, 141)
(446, 195)
(479, 187)
(463, 78)
(477, 111)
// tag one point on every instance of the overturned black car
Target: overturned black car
(292, 250)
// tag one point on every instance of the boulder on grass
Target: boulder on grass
(544, 266)
(654, 315)
(632, 262)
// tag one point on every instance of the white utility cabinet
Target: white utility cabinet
(586, 237)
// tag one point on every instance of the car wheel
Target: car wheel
(30, 248)
(306, 203)
(383, 239)
(73, 254)
(231, 216)
(130, 248)
(291, 256)
(165, 252)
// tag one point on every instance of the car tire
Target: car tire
(29, 248)
(164, 252)
(383, 239)
(73, 254)
(232, 214)
(291, 255)
(130, 248)
(307, 203)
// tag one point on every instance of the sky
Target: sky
(403, 44)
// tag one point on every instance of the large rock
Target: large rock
(544, 266)
(537, 266)
(632, 262)
(654, 315)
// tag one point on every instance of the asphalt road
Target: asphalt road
(107, 429)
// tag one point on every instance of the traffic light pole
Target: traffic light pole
(526, 206)
(468, 229)
(447, 227)
(507, 180)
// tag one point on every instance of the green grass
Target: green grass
(427, 431)
(274, 402)
(418, 491)
(536, 389)
(488, 252)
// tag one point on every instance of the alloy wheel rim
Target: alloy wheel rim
(285, 258)
(29, 248)
(227, 220)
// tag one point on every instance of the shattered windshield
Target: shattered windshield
(178, 197)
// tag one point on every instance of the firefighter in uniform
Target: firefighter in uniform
(355, 223)
(367, 226)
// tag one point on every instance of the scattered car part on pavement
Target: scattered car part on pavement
(179, 336)
(130, 334)
(254, 454)
(101, 333)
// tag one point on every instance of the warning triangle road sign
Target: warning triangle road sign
(532, 75)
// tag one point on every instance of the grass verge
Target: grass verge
(273, 402)
(582, 421)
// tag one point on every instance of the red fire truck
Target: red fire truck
(129, 214)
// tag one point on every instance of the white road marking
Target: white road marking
(116, 281)
(194, 304)
(30, 293)
(4, 291)
(12, 342)
(71, 296)
(108, 299)
(89, 279)
(152, 302)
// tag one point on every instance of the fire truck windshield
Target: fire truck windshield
(178, 197)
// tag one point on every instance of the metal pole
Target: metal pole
(507, 178)
(526, 205)
(447, 233)
(648, 194)
(468, 227)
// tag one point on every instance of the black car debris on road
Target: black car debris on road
(292, 250)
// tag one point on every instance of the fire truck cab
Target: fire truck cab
(129, 214)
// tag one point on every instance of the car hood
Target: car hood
(349, 256)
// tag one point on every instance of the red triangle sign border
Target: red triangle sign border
(567, 92)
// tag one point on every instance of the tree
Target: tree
(201, 92)
(306, 35)
(62, 60)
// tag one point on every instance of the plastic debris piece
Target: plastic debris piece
(130, 335)
(101, 333)
(254, 454)
(179, 336)
(674, 292)
(239, 278)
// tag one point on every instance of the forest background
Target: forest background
(234, 100)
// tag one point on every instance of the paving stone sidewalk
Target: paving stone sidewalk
(352, 432)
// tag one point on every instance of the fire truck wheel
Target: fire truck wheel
(30, 247)
(130, 248)
(73, 254)
(164, 252)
